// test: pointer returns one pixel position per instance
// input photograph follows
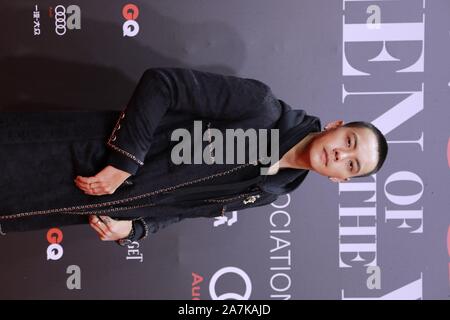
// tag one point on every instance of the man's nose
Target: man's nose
(339, 154)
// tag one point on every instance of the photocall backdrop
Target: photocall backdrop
(378, 237)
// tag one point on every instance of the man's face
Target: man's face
(341, 152)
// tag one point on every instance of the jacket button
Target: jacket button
(118, 127)
(113, 138)
(250, 199)
(122, 115)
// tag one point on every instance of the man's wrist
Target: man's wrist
(129, 238)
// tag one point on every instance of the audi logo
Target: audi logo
(60, 20)
(70, 21)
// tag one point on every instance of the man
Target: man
(340, 152)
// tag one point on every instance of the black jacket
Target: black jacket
(170, 98)
(159, 192)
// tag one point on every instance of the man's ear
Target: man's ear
(334, 124)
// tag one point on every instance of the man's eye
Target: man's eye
(351, 165)
(349, 142)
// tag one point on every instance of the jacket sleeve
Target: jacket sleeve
(199, 93)
(145, 226)
(164, 215)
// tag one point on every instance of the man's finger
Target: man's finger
(105, 221)
(86, 183)
(91, 191)
(91, 185)
(95, 220)
(108, 221)
(97, 229)
(96, 192)
(92, 188)
(80, 181)
(88, 179)
(99, 224)
(82, 187)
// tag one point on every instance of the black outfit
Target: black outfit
(43, 152)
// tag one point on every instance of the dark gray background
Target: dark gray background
(296, 48)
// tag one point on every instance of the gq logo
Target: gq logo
(69, 18)
(54, 250)
(130, 27)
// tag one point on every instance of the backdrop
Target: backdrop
(386, 62)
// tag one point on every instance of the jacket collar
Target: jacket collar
(293, 126)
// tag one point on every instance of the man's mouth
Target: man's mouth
(325, 157)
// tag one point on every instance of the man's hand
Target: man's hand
(110, 229)
(104, 182)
